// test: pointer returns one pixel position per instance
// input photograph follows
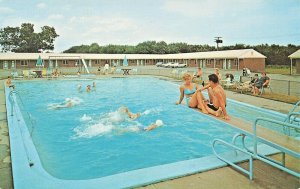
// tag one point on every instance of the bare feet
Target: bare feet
(218, 112)
(203, 109)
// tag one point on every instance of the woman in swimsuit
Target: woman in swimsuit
(188, 89)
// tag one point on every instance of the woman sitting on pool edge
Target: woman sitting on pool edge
(188, 89)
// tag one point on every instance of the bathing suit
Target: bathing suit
(189, 92)
(211, 106)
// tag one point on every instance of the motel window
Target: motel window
(5, 65)
(24, 63)
(235, 62)
(65, 62)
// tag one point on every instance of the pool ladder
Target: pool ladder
(253, 154)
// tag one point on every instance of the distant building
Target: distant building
(295, 56)
(229, 59)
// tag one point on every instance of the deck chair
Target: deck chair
(134, 70)
(44, 72)
(174, 73)
(26, 74)
(15, 75)
(112, 70)
(118, 71)
(263, 89)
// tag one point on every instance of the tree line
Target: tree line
(25, 39)
(276, 54)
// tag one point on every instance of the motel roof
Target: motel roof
(295, 55)
(228, 54)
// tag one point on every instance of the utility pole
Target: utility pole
(218, 40)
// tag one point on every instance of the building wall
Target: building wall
(254, 64)
(297, 66)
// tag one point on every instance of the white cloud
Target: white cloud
(209, 8)
(41, 5)
(6, 10)
(55, 17)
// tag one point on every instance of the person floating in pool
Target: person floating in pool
(217, 98)
(188, 89)
(88, 88)
(131, 115)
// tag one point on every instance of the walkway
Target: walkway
(5, 161)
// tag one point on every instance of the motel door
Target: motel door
(229, 64)
(13, 65)
(224, 64)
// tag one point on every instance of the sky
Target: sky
(129, 22)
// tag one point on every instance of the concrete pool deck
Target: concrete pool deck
(6, 176)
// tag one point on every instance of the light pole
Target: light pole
(218, 40)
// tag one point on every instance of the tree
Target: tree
(24, 39)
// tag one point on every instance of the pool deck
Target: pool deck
(265, 176)
(5, 161)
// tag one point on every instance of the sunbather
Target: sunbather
(188, 89)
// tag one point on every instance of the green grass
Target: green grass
(279, 69)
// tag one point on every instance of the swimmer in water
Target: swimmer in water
(88, 88)
(131, 115)
(67, 104)
(79, 88)
(158, 123)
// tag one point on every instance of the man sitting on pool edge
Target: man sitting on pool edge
(217, 97)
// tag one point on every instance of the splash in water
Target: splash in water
(69, 102)
(113, 123)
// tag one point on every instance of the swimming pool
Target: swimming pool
(84, 142)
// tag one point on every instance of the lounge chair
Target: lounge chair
(27, 74)
(262, 90)
(15, 75)
(134, 70)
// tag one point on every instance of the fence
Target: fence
(285, 87)
(278, 86)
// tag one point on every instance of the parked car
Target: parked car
(182, 65)
(167, 65)
(159, 64)
(175, 65)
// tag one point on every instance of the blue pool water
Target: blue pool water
(87, 140)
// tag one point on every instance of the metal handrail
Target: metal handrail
(289, 120)
(282, 149)
(297, 155)
(222, 142)
(12, 103)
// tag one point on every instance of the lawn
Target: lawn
(279, 69)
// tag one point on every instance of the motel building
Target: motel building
(227, 60)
